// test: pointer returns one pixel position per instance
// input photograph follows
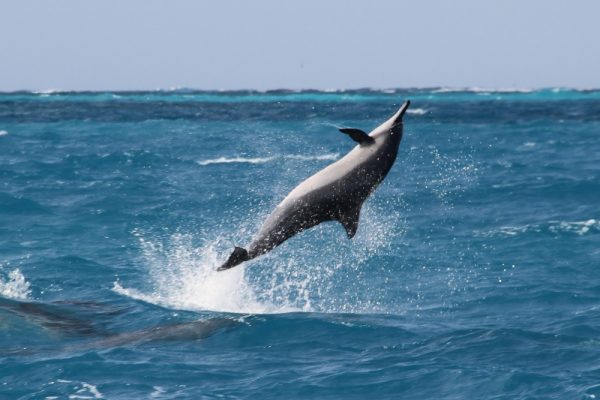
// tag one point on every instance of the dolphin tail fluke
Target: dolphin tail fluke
(238, 256)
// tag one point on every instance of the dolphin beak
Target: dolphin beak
(397, 118)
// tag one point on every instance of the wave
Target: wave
(46, 91)
(556, 227)
(417, 111)
(20, 205)
(3, 133)
(373, 90)
(262, 160)
(231, 160)
(322, 157)
(15, 286)
(78, 389)
(476, 89)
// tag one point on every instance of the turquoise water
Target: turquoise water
(474, 273)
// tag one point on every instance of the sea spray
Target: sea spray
(14, 285)
(298, 276)
(183, 276)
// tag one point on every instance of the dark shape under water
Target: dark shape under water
(57, 318)
(50, 316)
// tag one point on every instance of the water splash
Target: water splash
(304, 274)
(184, 276)
(15, 286)
(319, 270)
(323, 271)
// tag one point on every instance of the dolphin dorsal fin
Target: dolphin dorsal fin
(349, 219)
(358, 136)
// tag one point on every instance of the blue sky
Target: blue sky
(324, 44)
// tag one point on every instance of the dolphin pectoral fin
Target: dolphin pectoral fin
(358, 136)
(238, 256)
(349, 220)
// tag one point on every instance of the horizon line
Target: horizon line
(389, 90)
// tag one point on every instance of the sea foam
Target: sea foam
(556, 227)
(262, 160)
(230, 160)
(15, 286)
(416, 111)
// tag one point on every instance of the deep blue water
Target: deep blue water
(475, 272)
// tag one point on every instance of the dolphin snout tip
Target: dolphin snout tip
(404, 107)
(401, 111)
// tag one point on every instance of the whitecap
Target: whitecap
(515, 230)
(86, 391)
(557, 227)
(416, 111)
(262, 160)
(578, 227)
(230, 160)
(15, 286)
(45, 92)
(527, 146)
(445, 90)
(498, 90)
(477, 89)
(158, 391)
(322, 157)
(3, 133)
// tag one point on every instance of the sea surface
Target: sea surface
(475, 272)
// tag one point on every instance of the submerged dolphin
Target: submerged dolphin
(336, 193)
(67, 319)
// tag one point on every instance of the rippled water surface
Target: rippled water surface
(475, 271)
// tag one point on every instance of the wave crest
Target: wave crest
(556, 227)
(417, 111)
(262, 160)
(230, 160)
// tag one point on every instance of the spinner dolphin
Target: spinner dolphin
(335, 193)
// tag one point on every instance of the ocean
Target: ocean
(475, 272)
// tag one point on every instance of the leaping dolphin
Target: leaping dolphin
(336, 193)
